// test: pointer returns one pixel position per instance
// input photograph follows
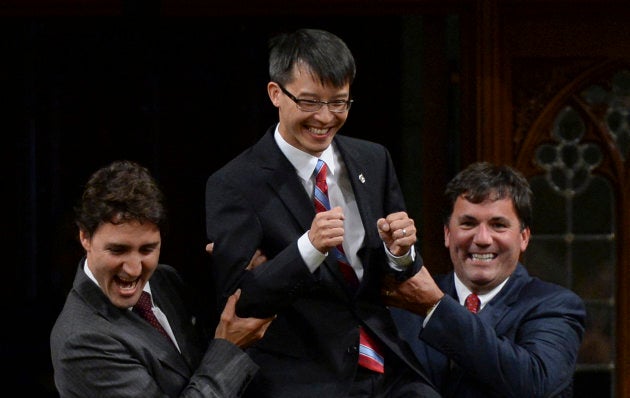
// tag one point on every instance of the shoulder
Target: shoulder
(167, 278)
(543, 291)
(245, 166)
(166, 270)
(239, 165)
(347, 142)
(545, 297)
(370, 157)
(80, 328)
(535, 287)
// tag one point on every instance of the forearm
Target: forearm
(534, 357)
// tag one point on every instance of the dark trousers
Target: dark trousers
(403, 383)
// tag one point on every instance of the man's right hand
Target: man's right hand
(241, 331)
(417, 294)
(327, 229)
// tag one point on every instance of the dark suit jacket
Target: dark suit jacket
(258, 201)
(523, 343)
(99, 350)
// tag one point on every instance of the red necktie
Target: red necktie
(473, 303)
(369, 351)
(322, 204)
(144, 308)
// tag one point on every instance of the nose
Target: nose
(483, 236)
(325, 115)
(133, 265)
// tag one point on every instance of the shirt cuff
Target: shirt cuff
(311, 256)
(430, 312)
(400, 263)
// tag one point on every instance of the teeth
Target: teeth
(483, 257)
(127, 285)
(317, 131)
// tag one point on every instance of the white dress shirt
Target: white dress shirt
(340, 193)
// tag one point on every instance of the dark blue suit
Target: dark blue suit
(523, 343)
(311, 349)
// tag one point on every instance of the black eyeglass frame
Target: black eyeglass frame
(316, 103)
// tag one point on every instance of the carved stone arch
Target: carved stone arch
(539, 131)
(535, 116)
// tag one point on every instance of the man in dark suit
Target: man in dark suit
(99, 346)
(521, 338)
(263, 199)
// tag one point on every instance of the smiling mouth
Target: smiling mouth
(126, 285)
(482, 256)
(315, 131)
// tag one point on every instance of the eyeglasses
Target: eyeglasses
(307, 105)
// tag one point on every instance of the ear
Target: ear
(85, 240)
(274, 92)
(447, 236)
(525, 235)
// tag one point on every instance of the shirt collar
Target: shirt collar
(463, 291)
(303, 162)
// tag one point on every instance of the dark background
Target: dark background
(179, 85)
(181, 95)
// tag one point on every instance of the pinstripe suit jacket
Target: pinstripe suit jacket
(99, 350)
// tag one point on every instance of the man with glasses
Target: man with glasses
(328, 213)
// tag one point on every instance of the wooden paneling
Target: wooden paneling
(533, 57)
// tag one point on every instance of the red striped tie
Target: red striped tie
(369, 351)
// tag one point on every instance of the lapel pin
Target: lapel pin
(361, 178)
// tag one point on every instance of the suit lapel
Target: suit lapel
(128, 322)
(183, 329)
(499, 307)
(361, 181)
(495, 310)
(367, 189)
(280, 176)
(491, 314)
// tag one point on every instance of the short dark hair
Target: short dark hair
(326, 56)
(481, 180)
(121, 192)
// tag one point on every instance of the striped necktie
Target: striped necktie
(370, 355)
(144, 308)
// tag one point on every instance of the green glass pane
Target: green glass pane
(546, 155)
(593, 267)
(593, 208)
(549, 215)
(568, 126)
(546, 259)
(591, 154)
(597, 346)
(621, 83)
(595, 95)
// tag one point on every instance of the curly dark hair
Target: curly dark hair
(121, 192)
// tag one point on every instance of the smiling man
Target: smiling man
(328, 213)
(488, 329)
(104, 343)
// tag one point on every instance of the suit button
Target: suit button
(353, 349)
